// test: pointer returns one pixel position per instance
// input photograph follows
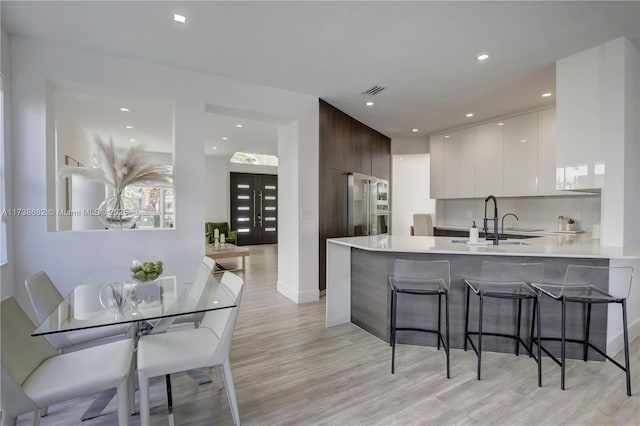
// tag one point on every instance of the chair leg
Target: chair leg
(466, 321)
(538, 330)
(44, 411)
(480, 335)
(143, 383)
(562, 344)
(518, 322)
(231, 392)
(446, 327)
(393, 330)
(36, 418)
(8, 420)
(391, 318)
(586, 333)
(533, 323)
(625, 333)
(123, 402)
(219, 381)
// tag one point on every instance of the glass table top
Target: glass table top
(110, 296)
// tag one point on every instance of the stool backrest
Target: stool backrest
(422, 270)
(618, 278)
(512, 272)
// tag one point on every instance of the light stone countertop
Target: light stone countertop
(579, 245)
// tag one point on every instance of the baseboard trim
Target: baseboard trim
(616, 343)
(295, 296)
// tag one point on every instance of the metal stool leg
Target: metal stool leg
(480, 335)
(533, 322)
(518, 322)
(446, 325)
(586, 333)
(562, 339)
(439, 318)
(538, 327)
(393, 329)
(466, 321)
(391, 320)
(626, 345)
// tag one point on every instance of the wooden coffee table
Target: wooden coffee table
(226, 251)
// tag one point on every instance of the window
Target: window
(155, 205)
(254, 159)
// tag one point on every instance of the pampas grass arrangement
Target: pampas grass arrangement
(120, 171)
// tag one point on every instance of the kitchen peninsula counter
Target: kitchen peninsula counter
(358, 290)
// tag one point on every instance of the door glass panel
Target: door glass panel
(242, 186)
(269, 187)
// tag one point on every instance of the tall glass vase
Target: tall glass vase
(118, 212)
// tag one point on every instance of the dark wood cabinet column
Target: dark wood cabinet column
(346, 146)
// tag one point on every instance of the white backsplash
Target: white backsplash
(533, 212)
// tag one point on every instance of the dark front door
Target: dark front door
(254, 208)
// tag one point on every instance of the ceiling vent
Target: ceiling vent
(373, 90)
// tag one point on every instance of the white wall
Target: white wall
(7, 270)
(410, 191)
(409, 146)
(68, 256)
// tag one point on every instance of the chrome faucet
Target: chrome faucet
(505, 215)
(495, 237)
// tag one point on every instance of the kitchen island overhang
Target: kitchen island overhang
(358, 291)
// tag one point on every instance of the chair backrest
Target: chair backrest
(21, 354)
(422, 270)
(195, 295)
(44, 296)
(223, 321)
(497, 272)
(422, 224)
(618, 278)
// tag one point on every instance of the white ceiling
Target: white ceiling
(255, 136)
(424, 53)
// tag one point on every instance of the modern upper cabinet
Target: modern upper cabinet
(547, 152)
(467, 169)
(380, 157)
(489, 147)
(521, 155)
(436, 151)
(513, 157)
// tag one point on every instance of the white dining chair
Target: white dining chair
(35, 376)
(45, 298)
(206, 346)
(201, 280)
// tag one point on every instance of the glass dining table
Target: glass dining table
(107, 297)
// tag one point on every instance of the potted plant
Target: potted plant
(571, 224)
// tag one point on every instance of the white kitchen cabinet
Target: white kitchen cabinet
(547, 153)
(489, 156)
(521, 155)
(436, 152)
(466, 140)
(451, 165)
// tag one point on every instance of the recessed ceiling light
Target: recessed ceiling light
(214, 147)
(501, 124)
(238, 125)
(469, 115)
(224, 138)
(546, 95)
(414, 130)
(128, 127)
(123, 109)
(179, 18)
(132, 140)
(523, 140)
(483, 57)
(446, 136)
(401, 158)
(369, 104)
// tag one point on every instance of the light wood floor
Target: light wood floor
(291, 370)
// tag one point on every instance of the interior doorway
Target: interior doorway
(254, 208)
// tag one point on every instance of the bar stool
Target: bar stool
(420, 278)
(505, 281)
(580, 285)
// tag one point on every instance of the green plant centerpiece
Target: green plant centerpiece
(145, 270)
